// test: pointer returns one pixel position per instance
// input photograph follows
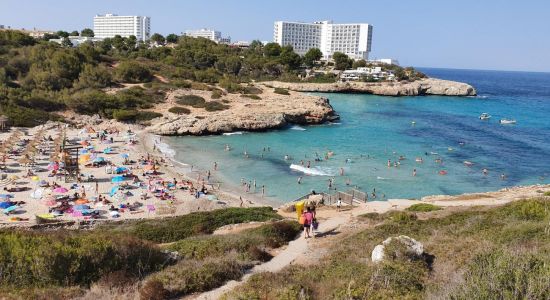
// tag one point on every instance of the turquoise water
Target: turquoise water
(375, 129)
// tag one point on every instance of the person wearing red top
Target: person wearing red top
(308, 219)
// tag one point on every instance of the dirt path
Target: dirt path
(295, 249)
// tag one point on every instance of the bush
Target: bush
(533, 209)
(133, 72)
(198, 223)
(248, 244)
(124, 115)
(191, 100)
(402, 217)
(178, 110)
(231, 86)
(281, 91)
(215, 106)
(423, 207)
(216, 94)
(255, 97)
(252, 90)
(147, 115)
(192, 276)
(547, 194)
(69, 258)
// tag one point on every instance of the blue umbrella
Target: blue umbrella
(117, 179)
(81, 207)
(120, 169)
(4, 205)
(125, 155)
(98, 159)
(107, 150)
(114, 190)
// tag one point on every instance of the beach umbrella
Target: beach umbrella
(49, 202)
(125, 155)
(10, 209)
(60, 190)
(81, 201)
(81, 207)
(37, 194)
(99, 159)
(4, 205)
(120, 170)
(114, 189)
(108, 150)
(117, 179)
(35, 178)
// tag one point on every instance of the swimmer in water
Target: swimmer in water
(389, 163)
(341, 171)
(414, 172)
(300, 180)
(485, 171)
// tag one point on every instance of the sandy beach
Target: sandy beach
(130, 165)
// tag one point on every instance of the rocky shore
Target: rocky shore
(270, 112)
(424, 87)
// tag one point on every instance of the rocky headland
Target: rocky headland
(243, 113)
(423, 87)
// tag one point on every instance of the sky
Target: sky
(466, 34)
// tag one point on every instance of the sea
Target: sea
(440, 139)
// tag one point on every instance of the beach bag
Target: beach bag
(315, 224)
(302, 219)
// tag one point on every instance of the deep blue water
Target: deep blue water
(374, 129)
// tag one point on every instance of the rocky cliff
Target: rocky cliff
(270, 112)
(429, 86)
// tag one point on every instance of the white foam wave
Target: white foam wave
(296, 127)
(381, 178)
(165, 148)
(233, 133)
(314, 171)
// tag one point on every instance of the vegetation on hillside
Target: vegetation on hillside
(39, 79)
(479, 253)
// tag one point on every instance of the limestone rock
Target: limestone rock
(411, 245)
(427, 86)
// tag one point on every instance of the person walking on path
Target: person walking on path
(308, 219)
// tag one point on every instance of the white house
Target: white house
(210, 34)
(109, 25)
(374, 73)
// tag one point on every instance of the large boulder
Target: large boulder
(397, 247)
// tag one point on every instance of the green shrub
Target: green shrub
(248, 244)
(255, 97)
(547, 194)
(281, 91)
(252, 90)
(38, 259)
(198, 223)
(402, 217)
(178, 110)
(216, 94)
(192, 276)
(147, 115)
(133, 72)
(504, 275)
(532, 209)
(191, 100)
(215, 106)
(423, 207)
(124, 115)
(231, 86)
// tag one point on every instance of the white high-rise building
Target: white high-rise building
(109, 25)
(352, 39)
(210, 34)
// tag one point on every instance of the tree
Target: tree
(129, 71)
(75, 33)
(341, 61)
(361, 63)
(94, 77)
(63, 34)
(87, 32)
(272, 49)
(290, 58)
(66, 43)
(131, 42)
(172, 38)
(158, 38)
(312, 55)
(49, 36)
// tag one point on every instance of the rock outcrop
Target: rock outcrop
(270, 112)
(428, 86)
(409, 247)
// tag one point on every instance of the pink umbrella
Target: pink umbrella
(60, 190)
(50, 202)
(53, 166)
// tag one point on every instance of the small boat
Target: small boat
(507, 121)
(484, 116)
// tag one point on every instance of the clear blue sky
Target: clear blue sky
(475, 34)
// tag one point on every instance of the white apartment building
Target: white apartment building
(210, 34)
(352, 39)
(109, 25)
